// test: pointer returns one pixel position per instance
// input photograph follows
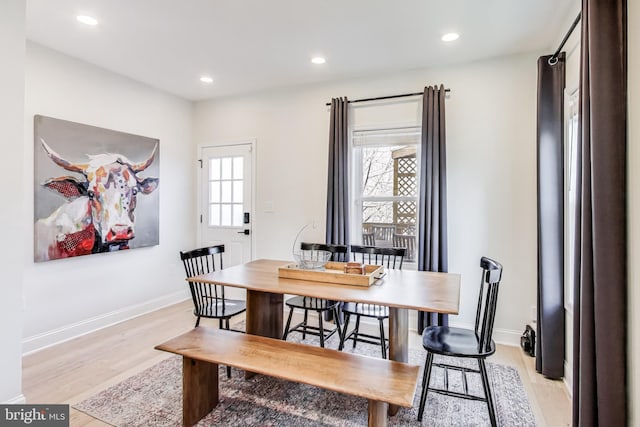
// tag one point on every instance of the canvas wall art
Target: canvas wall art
(96, 190)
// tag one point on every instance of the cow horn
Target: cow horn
(60, 161)
(137, 167)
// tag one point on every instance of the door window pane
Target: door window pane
(226, 191)
(226, 168)
(237, 191)
(237, 167)
(214, 192)
(225, 215)
(214, 169)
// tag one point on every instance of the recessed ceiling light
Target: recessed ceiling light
(89, 20)
(206, 79)
(318, 60)
(449, 37)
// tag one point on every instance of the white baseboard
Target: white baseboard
(56, 336)
(18, 400)
(507, 337)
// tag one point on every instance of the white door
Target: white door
(225, 200)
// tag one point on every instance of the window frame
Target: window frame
(356, 197)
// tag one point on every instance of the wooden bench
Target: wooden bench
(202, 349)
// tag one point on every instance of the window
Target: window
(385, 187)
(571, 161)
(225, 191)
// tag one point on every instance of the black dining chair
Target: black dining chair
(389, 258)
(320, 305)
(466, 343)
(208, 299)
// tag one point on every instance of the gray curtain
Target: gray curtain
(432, 203)
(550, 163)
(600, 309)
(338, 179)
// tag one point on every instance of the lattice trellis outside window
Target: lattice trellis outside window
(405, 183)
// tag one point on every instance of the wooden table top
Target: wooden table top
(418, 290)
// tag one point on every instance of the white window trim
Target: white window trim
(570, 94)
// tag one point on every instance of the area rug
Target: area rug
(154, 398)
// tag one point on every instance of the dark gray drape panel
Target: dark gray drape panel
(600, 310)
(550, 324)
(432, 204)
(338, 179)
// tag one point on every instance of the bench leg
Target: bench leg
(199, 389)
(398, 340)
(377, 413)
(264, 316)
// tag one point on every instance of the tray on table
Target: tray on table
(333, 272)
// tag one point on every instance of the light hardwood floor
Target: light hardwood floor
(74, 370)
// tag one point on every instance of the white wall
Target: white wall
(491, 165)
(71, 296)
(12, 172)
(633, 213)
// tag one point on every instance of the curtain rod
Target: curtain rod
(554, 57)
(387, 97)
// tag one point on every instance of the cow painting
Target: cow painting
(98, 214)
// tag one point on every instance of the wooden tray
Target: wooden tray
(333, 273)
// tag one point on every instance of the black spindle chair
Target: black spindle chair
(320, 305)
(208, 299)
(389, 258)
(465, 343)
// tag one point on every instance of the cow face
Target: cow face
(112, 188)
(111, 185)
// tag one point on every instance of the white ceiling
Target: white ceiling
(252, 45)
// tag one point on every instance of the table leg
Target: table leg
(264, 316)
(199, 389)
(377, 414)
(398, 340)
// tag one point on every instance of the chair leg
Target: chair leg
(336, 316)
(355, 331)
(221, 323)
(425, 384)
(487, 392)
(228, 367)
(383, 343)
(344, 332)
(198, 321)
(321, 329)
(286, 328)
(304, 325)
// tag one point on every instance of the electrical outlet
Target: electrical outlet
(534, 313)
(314, 225)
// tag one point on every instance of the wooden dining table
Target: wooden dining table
(400, 290)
